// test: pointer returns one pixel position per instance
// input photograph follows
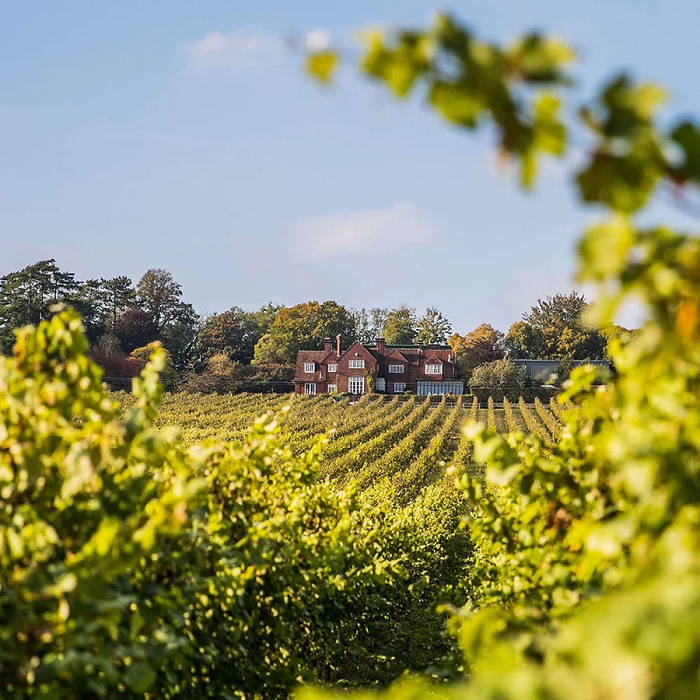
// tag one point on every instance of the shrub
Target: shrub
(498, 374)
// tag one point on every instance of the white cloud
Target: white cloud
(378, 231)
(239, 49)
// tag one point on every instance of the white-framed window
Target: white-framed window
(332, 388)
(356, 364)
(433, 369)
(333, 368)
(356, 385)
(310, 389)
(381, 384)
(309, 367)
(395, 369)
(399, 387)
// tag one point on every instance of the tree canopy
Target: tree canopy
(433, 327)
(400, 326)
(483, 344)
(233, 333)
(120, 317)
(303, 326)
(554, 328)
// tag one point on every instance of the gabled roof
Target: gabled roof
(434, 360)
(357, 348)
(318, 357)
(396, 354)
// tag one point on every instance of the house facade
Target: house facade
(381, 368)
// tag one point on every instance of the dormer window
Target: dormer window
(333, 368)
(309, 367)
(395, 369)
(433, 369)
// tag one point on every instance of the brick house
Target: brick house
(385, 369)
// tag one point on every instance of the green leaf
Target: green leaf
(604, 248)
(538, 58)
(139, 677)
(456, 103)
(622, 183)
(322, 65)
(687, 136)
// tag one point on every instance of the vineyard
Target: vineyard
(228, 546)
(395, 446)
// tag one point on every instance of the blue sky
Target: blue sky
(184, 135)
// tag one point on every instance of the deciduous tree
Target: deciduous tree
(500, 373)
(483, 344)
(303, 326)
(234, 333)
(400, 326)
(369, 324)
(180, 335)
(433, 327)
(159, 296)
(555, 328)
(134, 329)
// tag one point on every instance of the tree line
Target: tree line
(256, 350)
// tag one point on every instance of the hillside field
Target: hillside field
(400, 443)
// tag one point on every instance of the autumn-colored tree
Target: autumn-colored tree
(134, 329)
(233, 333)
(117, 368)
(143, 355)
(520, 342)
(433, 327)
(483, 344)
(303, 326)
(400, 326)
(616, 333)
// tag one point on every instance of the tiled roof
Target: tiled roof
(315, 356)
(397, 354)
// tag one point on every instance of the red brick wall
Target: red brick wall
(414, 369)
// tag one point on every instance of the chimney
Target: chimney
(420, 349)
(380, 345)
(327, 344)
(337, 345)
